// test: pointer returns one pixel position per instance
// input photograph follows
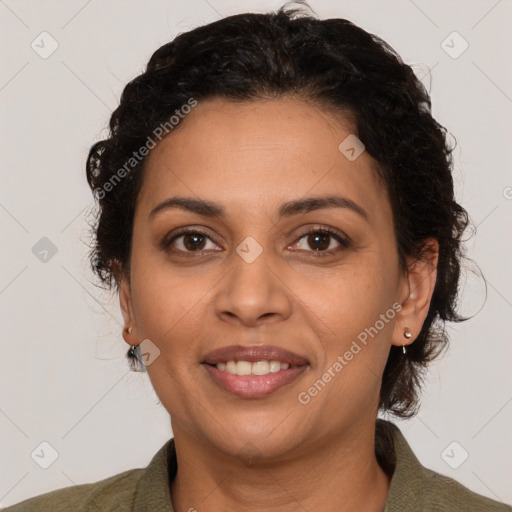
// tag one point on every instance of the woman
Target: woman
(277, 214)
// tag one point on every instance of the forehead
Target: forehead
(246, 155)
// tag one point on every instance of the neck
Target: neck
(332, 475)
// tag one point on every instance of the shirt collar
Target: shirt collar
(153, 492)
(405, 491)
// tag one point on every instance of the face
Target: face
(257, 275)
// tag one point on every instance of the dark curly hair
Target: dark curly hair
(342, 68)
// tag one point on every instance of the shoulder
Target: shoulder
(135, 489)
(446, 494)
(115, 493)
(416, 487)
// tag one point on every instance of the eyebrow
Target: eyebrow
(288, 209)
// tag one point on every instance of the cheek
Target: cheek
(353, 316)
(168, 305)
(351, 312)
(351, 295)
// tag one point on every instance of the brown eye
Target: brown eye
(193, 241)
(188, 240)
(320, 239)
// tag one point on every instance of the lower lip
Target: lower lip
(254, 386)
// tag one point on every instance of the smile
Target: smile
(250, 384)
(253, 371)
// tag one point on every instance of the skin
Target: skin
(251, 157)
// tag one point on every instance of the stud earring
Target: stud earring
(408, 335)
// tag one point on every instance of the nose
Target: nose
(253, 291)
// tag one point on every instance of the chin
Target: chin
(251, 441)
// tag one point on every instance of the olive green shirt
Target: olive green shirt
(414, 488)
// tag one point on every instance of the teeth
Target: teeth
(243, 368)
(263, 367)
(275, 366)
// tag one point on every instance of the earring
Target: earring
(135, 362)
(131, 352)
(408, 335)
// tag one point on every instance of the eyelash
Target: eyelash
(344, 242)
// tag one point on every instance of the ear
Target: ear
(125, 302)
(416, 293)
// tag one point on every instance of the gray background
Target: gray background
(64, 380)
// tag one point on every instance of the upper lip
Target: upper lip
(254, 353)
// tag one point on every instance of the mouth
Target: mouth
(253, 372)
